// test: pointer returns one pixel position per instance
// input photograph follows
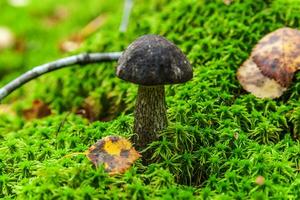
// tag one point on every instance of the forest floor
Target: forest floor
(221, 142)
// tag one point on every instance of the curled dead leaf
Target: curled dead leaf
(272, 64)
(38, 110)
(278, 55)
(252, 80)
(116, 154)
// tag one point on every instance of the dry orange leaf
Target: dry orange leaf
(39, 110)
(272, 64)
(116, 153)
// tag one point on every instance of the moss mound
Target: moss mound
(220, 141)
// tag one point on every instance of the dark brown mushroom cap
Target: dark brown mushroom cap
(153, 60)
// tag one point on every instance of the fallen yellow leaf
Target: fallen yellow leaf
(114, 152)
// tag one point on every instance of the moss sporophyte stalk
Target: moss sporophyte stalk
(220, 140)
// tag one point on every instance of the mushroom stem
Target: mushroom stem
(150, 114)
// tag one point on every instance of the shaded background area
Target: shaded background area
(41, 30)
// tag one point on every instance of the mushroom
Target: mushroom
(151, 61)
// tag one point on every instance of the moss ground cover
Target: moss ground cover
(220, 138)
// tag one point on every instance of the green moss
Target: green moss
(220, 138)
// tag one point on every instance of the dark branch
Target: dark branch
(81, 59)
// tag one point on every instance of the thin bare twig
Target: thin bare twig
(126, 13)
(82, 59)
